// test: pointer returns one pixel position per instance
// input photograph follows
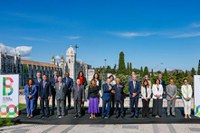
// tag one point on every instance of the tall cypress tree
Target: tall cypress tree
(193, 72)
(128, 68)
(141, 71)
(146, 71)
(122, 68)
(131, 68)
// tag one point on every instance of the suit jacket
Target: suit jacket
(45, 92)
(53, 82)
(37, 84)
(171, 91)
(186, 92)
(162, 82)
(78, 94)
(60, 91)
(106, 92)
(119, 92)
(68, 83)
(157, 91)
(133, 89)
(33, 91)
(143, 92)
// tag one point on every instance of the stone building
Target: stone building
(28, 69)
(71, 64)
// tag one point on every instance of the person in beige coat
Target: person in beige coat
(186, 90)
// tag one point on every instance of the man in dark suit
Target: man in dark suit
(134, 88)
(44, 95)
(37, 81)
(162, 82)
(68, 89)
(119, 98)
(53, 81)
(78, 95)
(107, 90)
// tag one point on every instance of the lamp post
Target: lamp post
(105, 70)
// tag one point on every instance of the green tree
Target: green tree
(186, 73)
(122, 67)
(141, 71)
(131, 68)
(146, 71)
(152, 73)
(193, 72)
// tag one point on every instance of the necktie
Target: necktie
(187, 91)
(134, 84)
(44, 83)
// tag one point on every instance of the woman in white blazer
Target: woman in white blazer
(146, 97)
(186, 90)
(157, 89)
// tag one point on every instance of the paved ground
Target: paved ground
(150, 128)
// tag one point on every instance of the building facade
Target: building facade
(28, 69)
(71, 64)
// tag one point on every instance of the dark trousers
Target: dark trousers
(119, 110)
(53, 101)
(44, 109)
(68, 98)
(106, 108)
(112, 100)
(157, 107)
(145, 107)
(134, 104)
(36, 101)
(77, 107)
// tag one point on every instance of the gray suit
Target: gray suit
(78, 95)
(171, 91)
(60, 93)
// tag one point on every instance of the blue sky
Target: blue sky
(154, 33)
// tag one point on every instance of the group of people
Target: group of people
(112, 94)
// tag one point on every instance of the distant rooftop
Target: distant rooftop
(38, 63)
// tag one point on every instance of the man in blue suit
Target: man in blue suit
(107, 90)
(68, 89)
(134, 88)
(37, 81)
(45, 95)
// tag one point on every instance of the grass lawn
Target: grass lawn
(8, 121)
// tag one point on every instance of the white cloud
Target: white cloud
(195, 25)
(133, 34)
(73, 37)
(186, 35)
(24, 51)
(34, 39)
